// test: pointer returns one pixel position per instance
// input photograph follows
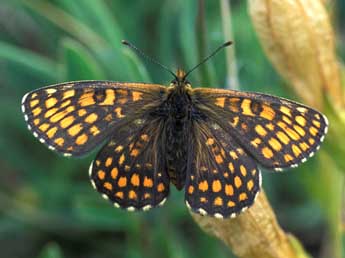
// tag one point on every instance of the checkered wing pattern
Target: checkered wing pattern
(129, 170)
(224, 179)
(73, 118)
(277, 132)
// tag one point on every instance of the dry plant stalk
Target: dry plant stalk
(254, 233)
(298, 38)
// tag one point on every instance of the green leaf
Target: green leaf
(78, 63)
(51, 250)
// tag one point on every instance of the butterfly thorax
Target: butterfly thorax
(177, 125)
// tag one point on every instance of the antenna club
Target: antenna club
(228, 43)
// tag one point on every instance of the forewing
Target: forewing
(130, 169)
(72, 118)
(277, 132)
(223, 180)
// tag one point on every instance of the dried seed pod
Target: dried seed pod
(298, 38)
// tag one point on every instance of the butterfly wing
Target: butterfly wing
(224, 180)
(130, 169)
(277, 132)
(72, 118)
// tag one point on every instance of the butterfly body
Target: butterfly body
(209, 142)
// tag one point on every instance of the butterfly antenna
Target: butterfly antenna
(138, 51)
(226, 44)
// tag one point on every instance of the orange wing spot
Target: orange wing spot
(50, 91)
(231, 167)
(316, 123)
(231, 204)
(311, 141)
(233, 155)
(122, 181)
(250, 184)
(68, 94)
(118, 149)
(51, 102)
(254, 172)
(86, 99)
(218, 201)
(127, 168)
(33, 103)
(267, 152)
(234, 104)
(288, 157)
(302, 109)
(246, 107)
(267, 112)
(44, 127)
(34, 95)
(287, 120)
(270, 126)
(296, 151)
(301, 120)
(50, 112)
(37, 121)
(108, 186)
(37, 111)
(256, 142)
(144, 137)
(59, 141)
(160, 187)
(216, 186)
(101, 174)
(210, 141)
(82, 139)
(260, 130)
(122, 92)
(220, 102)
(136, 95)
(135, 152)
(229, 190)
(226, 174)
(299, 130)
(313, 131)
(317, 116)
(203, 186)
(132, 195)
(98, 163)
(243, 197)
(304, 146)
(119, 195)
(118, 112)
(94, 130)
(285, 110)
(51, 132)
(65, 104)
(292, 134)
(275, 144)
(243, 170)
(74, 130)
(67, 121)
(108, 118)
(219, 159)
(135, 180)
(238, 181)
(82, 112)
(235, 121)
(147, 196)
(283, 137)
(58, 116)
(148, 182)
(109, 97)
(149, 165)
(108, 161)
(203, 200)
(114, 172)
(244, 127)
(190, 189)
(122, 159)
(91, 118)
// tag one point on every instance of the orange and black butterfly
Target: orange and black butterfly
(209, 142)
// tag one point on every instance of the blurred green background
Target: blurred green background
(47, 205)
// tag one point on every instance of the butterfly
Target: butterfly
(209, 142)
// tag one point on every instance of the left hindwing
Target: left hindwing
(277, 132)
(73, 118)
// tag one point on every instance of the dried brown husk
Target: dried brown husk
(298, 38)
